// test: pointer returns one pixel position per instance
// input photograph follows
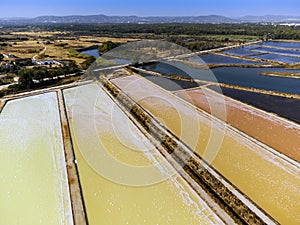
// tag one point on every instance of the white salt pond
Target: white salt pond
(33, 176)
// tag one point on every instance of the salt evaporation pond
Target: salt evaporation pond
(277, 51)
(247, 77)
(219, 59)
(242, 51)
(168, 84)
(284, 107)
(283, 44)
(250, 50)
(278, 58)
(265, 178)
(106, 136)
(33, 177)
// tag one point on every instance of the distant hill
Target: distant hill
(269, 19)
(213, 19)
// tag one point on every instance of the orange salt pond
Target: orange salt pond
(275, 132)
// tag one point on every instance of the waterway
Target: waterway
(95, 53)
(92, 52)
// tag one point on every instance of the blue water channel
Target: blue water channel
(95, 53)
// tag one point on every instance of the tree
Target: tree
(25, 79)
(89, 61)
(107, 46)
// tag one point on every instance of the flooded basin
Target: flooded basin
(268, 180)
(219, 59)
(283, 44)
(247, 77)
(278, 51)
(122, 175)
(243, 51)
(278, 58)
(170, 84)
(33, 177)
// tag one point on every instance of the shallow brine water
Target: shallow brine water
(265, 178)
(33, 177)
(218, 59)
(119, 168)
(248, 77)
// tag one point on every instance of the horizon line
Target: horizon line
(236, 17)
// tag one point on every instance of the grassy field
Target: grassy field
(57, 45)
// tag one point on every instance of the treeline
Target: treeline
(28, 78)
(137, 30)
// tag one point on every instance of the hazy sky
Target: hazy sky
(232, 8)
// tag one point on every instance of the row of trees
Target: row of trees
(138, 30)
(27, 76)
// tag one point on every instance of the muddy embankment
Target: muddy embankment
(270, 63)
(77, 201)
(281, 74)
(208, 179)
(2, 104)
(267, 64)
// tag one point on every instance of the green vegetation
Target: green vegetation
(89, 61)
(6, 80)
(195, 37)
(61, 44)
(107, 46)
(167, 30)
(73, 53)
(28, 78)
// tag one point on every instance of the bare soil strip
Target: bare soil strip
(2, 104)
(77, 201)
